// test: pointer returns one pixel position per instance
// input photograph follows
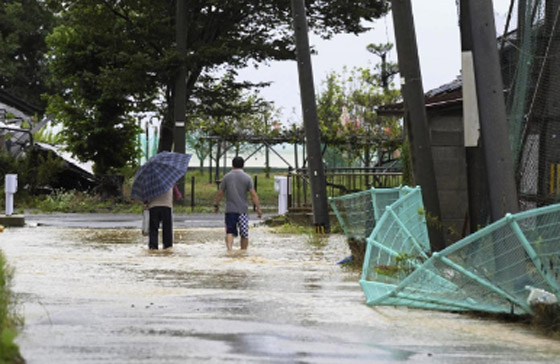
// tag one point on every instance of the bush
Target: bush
(7, 163)
(81, 202)
(34, 170)
(66, 201)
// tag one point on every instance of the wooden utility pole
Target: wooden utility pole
(415, 112)
(180, 90)
(309, 107)
(492, 110)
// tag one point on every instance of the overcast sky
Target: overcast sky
(438, 39)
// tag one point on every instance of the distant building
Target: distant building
(445, 118)
(18, 122)
(14, 114)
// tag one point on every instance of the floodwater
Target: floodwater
(99, 296)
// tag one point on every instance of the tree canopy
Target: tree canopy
(23, 27)
(347, 107)
(111, 59)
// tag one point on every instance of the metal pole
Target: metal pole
(296, 161)
(316, 169)
(147, 141)
(180, 90)
(492, 111)
(255, 184)
(413, 94)
(267, 152)
(218, 156)
(193, 181)
(210, 162)
(521, 12)
(225, 158)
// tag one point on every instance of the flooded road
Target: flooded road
(99, 296)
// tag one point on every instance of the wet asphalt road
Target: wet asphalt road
(90, 292)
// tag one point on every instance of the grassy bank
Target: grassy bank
(9, 321)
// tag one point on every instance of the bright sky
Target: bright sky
(437, 33)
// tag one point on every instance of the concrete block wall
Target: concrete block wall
(448, 151)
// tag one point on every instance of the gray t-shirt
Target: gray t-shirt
(236, 184)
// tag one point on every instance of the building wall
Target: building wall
(446, 132)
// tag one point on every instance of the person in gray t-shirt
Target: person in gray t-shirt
(236, 184)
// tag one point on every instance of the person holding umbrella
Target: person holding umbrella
(235, 185)
(154, 184)
(161, 212)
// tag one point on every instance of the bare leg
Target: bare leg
(244, 243)
(229, 241)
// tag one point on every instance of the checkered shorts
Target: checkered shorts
(235, 221)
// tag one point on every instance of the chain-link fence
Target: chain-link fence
(504, 267)
(358, 212)
(531, 68)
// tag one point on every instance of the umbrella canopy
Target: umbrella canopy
(159, 174)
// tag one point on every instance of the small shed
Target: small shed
(444, 107)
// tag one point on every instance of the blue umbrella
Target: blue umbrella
(159, 174)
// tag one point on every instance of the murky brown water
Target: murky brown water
(99, 296)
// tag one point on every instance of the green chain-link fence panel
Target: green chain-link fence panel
(531, 74)
(358, 212)
(398, 245)
(493, 270)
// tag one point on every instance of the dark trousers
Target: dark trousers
(161, 214)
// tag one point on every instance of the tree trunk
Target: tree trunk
(110, 186)
(166, 134)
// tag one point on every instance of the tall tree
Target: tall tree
(226, 110)
(386, 69)
(101, 81)
(347, 113)
(125, 48)
(23, 27)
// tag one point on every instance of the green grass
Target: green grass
(317, 240)
(289, 228)
(9, 321)
(79, 202)
(205, 191)
(311, 237)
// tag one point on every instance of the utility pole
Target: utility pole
(492, 110)
(476, 166)
(497, 152)
(415, 112)
(316, 170)
(180, 90)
